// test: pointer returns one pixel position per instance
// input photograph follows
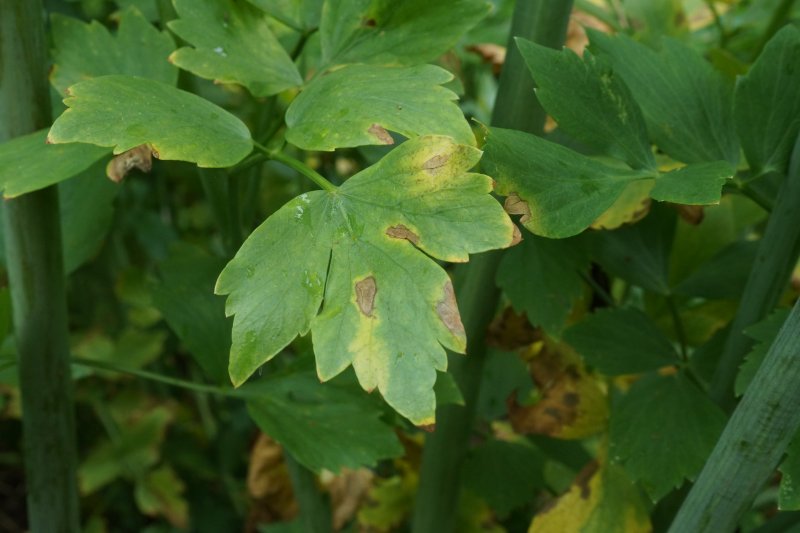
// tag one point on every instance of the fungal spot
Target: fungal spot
(401, 232)
(378, 131)
(435, 163)
(139, 157)
(447, 309)
(514, 205)
(366, 289)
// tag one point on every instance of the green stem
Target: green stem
(723, 35)
(775, 259)
(543, 21)
(315, 512)
(299, 166)
(221, 192)
(680, 332)
(35, 269)
(753, 441)
(777, 20)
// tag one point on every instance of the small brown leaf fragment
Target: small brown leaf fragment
(380, 133)
(511, 331)
(514, 205)
(428, 428)
(139, 157)
(366, 289)
(436, 162)
(691, 214)
(447, 309)
(491, 53)
(348, 492)
(516, 237)
(401, 232)
(268, 484)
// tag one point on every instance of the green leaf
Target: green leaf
(697, 184)
(686, 103)
(186, 298)
(639, 253)
(542, 277)
(297, 14)
(28, 163)
(662, 431)
(558, 191)
(590, 102)
(389, 309)
(294, 407)
(504, 374)
(764, 334)
(126, 111)
(621, 341)
(505, 474)
(724, 275)
(160, 492)
(788, 495)
(446, 390)
(355, 105)
(233, 43)
(766, 107)
(394, 33)
(85, 51)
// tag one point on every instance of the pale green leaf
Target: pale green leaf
(28, 163)
(662, 432)
(590, 102)
(232, 43)
(686, 103)
(621, 341)
(355, 105)
(394, 33)
(83, 51)
(697, 184)
(766, 106)
(559, 192)
(126, 111)
(389, 310)
(323, 425)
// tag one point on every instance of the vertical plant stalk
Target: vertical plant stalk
(753, 441)
(35, 270)
(315, 512)
(777, 256)
(545, 22)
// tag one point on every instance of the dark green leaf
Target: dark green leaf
(724, 275)
(590, 102)
(355, 105)
(789, 496)
(696, 184)
(88, 50)
(232, 43)
(662, 431)
(125, 112)
(621, 341)
(764, 334)
(686, 103)
(558, 191)
(446, 390)
(542, 277)
(767, 109)
(503, 374)
(389, 32)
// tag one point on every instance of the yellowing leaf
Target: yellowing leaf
(631, 206)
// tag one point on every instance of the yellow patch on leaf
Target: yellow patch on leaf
(631, 206)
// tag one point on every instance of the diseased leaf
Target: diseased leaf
(629, 207)
(621, 341)
(389, 310)
(542, 277)
(697, 184)
(662, 431)
(324, 426)
(126, 111)
(232, 43)
(601, 500)
(686, 103)
(83, 51)
(764, 334)
(28, 163)
(394, 33)
(561, 192)
(766, 107)
(590, 102)
(357, 104)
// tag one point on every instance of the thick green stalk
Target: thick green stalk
(753, 441)
(777, 255)
(545, 22)
(35, 270)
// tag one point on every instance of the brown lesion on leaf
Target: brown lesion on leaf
(447, 309)
(436, 162)
(514, 205)
(585, 477)
(380, 133)
(400, 231)
(366, 289)
(428, 428)
(139, 157)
